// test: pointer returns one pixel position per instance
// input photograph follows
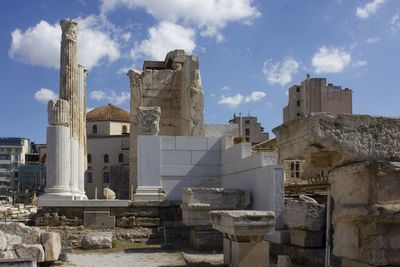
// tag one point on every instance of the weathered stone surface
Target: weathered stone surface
(243, 222)
(147, 222)
(108, 193)
(125, 222)
(29, 235)
(197, 202)
(306, 239)
(304, 214)
(366, 215)
(52, 245)
(284, 261)
(98, 220)
(8, 255)
(3, 241)
(34, 251)
(149, 120)
(329, 140)
(205, 239)
(13, 240)
(97, 240)
(254, 254)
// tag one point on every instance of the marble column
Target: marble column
(82, 139)
(58, 152)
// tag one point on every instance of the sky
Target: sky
(251, 52)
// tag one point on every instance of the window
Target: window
(89, 158)
(94, 129)
(247, 131)
(247, 121)
(5, 157)
(298, 114)
(298, 103)
(121, 157)
(298, 89)
(106, 158)
(124, 129)
(293, 169)
(248, 139)
(106, 177)
(89, 177)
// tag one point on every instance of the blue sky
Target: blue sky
(250, 52)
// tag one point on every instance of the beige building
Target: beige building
(250, 129)
(315, 95)
(108, 130)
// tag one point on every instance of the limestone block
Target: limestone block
(97, 240)
(284, 261)
(191, 143)
(126, 222)
(8, 255)
(329, 140)
(98, 219)
(29, 235)
(254, 254)
(176, 157)
(147, 222)
(205, 239)
(167, 142)
(34, 251)
(241, 223)
(206, 157)
(3, 241)
(304, 214)
(306, 239)
(13, 240)
(52, 245)
(197, 202)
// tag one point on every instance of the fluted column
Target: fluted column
(82, 151)
(58, 151)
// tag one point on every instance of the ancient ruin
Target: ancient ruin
(66, 133)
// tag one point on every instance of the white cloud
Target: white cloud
(330, 60)
(395, 23)
(164, 37)
(225, 88)
(209, 16)
(43, 95)
(110, 96)
(360, 63)
(372, 40)
(40, 44)
(238, 99)
(363, 12)
(280, 72)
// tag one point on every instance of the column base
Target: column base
(48, 197)
(149, 194)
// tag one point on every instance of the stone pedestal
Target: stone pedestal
(251, 254)
(244, 231)
(149, 194)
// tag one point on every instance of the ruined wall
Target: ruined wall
(174, 85)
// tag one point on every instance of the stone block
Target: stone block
(3, 241)
(147, 222)
(330, 140)
(304, 214)
(8, 255)
(254, 254)
(205, 239)
(197, 202)
(13, 240)
(18, 262)
(214, 143)
(191, 143)
(278, 237)
(306, 239)
(167, 142)
(34, 251)
(97, 240)
(176, 157)
(284, 261)
(52, 245)
(239, 224)
(126, 222)
(29, 235)
(209, 157)
(98, 220)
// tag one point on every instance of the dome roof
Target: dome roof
(108, 113)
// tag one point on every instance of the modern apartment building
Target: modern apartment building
(12, 155)
(107, 130)
(315, 95)
(250, 129)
